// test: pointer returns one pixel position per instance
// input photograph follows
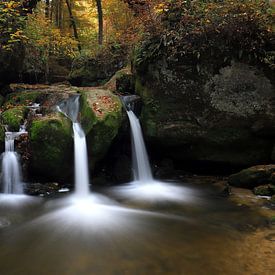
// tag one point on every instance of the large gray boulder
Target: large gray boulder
(224, 116)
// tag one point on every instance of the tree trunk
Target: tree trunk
(47, 9)
(100, 21)
(73, 23)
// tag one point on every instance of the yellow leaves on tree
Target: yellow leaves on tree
(42, 35)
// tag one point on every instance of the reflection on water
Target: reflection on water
(201, 234)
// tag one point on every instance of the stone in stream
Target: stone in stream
(253, 176)
(264, 190)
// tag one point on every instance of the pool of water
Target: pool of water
(115, 231)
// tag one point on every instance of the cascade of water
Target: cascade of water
(70, 108)
(81, 161)
(11, 169)
(141, 165)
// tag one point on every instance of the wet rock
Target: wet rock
(2, 138)
(39, 189)
(122, 169)
(214, 116)
(165, 169)
(122, 82)
(49, 150)
(253, 176)
(101, 117)
(263, 190)
(51, 147)
(14, 117)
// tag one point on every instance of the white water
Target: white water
(141, 165)
(80, 161)
(70, 108)
(11, 169)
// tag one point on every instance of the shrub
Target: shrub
(196, 31)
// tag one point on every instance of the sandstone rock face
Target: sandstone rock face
(225, 116)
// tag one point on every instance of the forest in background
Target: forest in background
(61, 30)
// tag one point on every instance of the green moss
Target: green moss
(21, 98)
(263, 190)
(87, 116)
(103, 133)
(101, 117)
(51, 145)
(151, 111)
(14, 117)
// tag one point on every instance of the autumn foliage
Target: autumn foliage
(196, 31)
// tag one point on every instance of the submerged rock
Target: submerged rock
(253, 177)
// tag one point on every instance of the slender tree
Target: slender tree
(47, 9)
(100, 21)
(73, 24)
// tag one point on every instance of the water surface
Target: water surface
(206, 234)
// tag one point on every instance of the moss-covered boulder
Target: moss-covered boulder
(101, 116)
(16, 106)
(14, 117)
(98, 69)
(253, 176)
(122, 82)
(51, 147)
(21, 98)
(50, 137)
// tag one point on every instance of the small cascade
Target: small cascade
(11, 168)
(141, 165)
(81, 161)
(70, 108)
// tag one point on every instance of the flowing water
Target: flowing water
(70, 108)
(11, 168)
(81, 161)
(144, 186)
(141, 165)
(173, 229)
(69, 236)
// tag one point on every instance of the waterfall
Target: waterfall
(70, 108)
(141, 165)
(11, 169)
(80, 161)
